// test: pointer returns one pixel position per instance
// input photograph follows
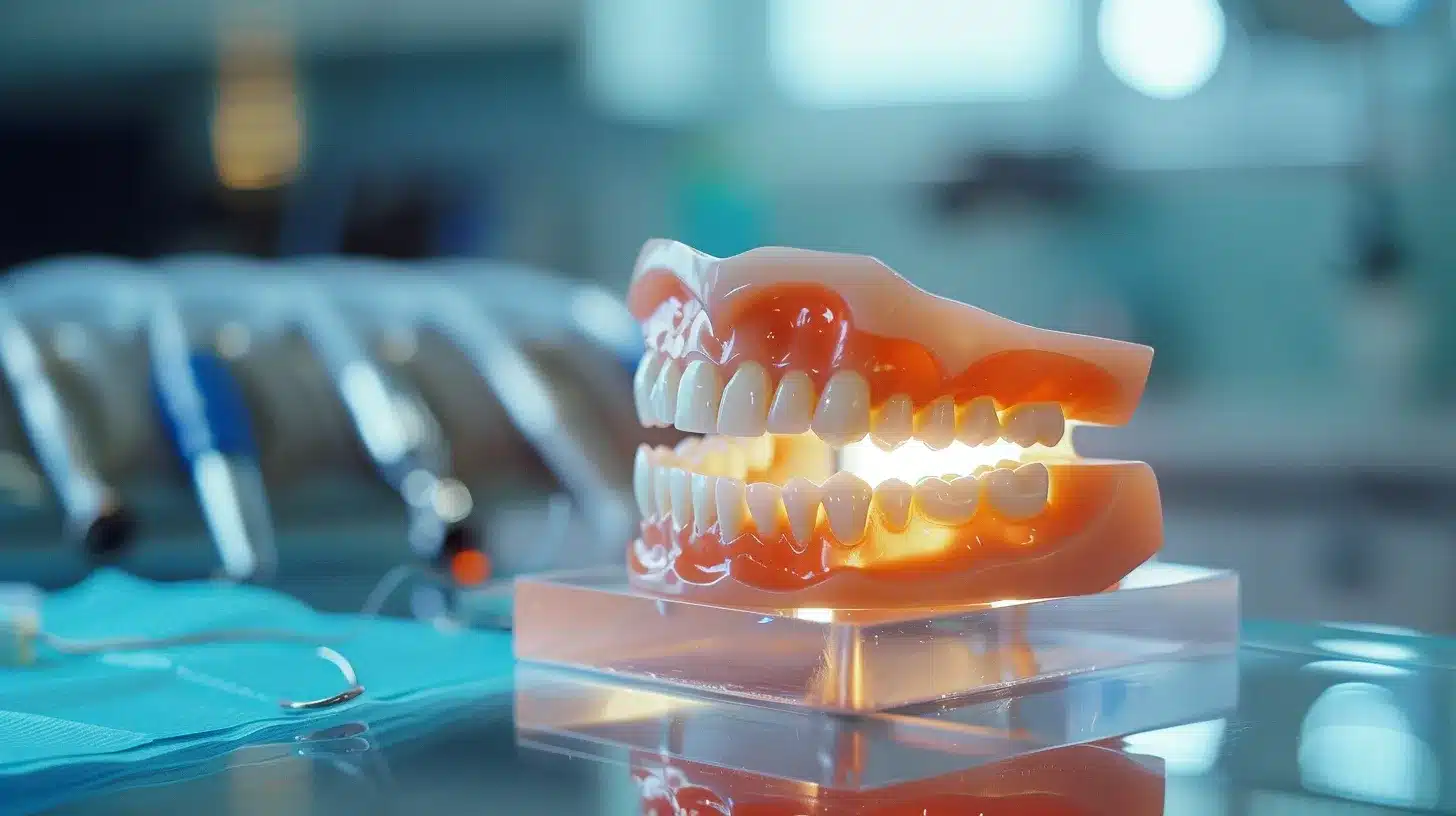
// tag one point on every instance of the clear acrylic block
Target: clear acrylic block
(617, 721)
(866, 660)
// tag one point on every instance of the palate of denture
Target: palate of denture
(816, 377)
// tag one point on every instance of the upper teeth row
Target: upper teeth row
(664, 486)
(696, 400)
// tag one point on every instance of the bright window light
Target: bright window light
(851, 53)
(1383, 12)
(1164, 49)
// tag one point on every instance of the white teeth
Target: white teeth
(936, 424)
(893, 497)
(697, 398)
(758, 453)
(642, 481)
(1021, 493)
(1035, 422)
(664, 393)
(801, 504)
(978, 423)
(952, 503)
(705, 505)
(847, 505)
(679, 487)
(744, 411)
(642, 383)
(793, 404)
(731, 510)
(843, 415)
(661, 492)
(766, 506)
(894, 423)
(687, 449)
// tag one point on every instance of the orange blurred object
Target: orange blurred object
(470, 567)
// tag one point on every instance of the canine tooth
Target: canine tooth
(793, 404)
(978, 423)
(758, 452)
(766, 506)
(1021, 493)
(697, 398)
(843, 415)
(893, 497)
(642, 383)
(680, 493)
(705, 505)
(936, 425)
(744, 410)
(847, 505)
(642, 481)
(801, 503)
(894, 423)
(951, 503)
(664, 392)
(731, 509)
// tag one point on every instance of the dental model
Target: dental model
(870, 444)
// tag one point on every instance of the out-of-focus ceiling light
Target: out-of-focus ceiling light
(853, 53)
(1165, 49)
(1383, 12)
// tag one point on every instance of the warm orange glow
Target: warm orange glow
(470, 567)
(257, 127)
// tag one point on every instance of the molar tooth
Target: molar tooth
(936, 424)
(679, 487)
(801, 503)
(951, 503)
(731, 508)
(843, 415)
(705, 505)
(642, 481)
(1053, 425)
(1019, 493)
(766, 506)
(642, 383)
(744, 410)
(893, 497)
(847, 505)
(793, 404)
(894, 423)
(978, 422)
(1029, 423)
(697, 398)
(664, 392)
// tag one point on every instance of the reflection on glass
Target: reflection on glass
(1188, 750)
(1357, 742)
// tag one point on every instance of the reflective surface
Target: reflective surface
(1347, 720)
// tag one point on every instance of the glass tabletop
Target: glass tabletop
(1345, 719)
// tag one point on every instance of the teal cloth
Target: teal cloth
(133, 706)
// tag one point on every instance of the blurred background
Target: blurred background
(387, 234)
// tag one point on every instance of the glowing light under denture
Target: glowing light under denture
(914, 461)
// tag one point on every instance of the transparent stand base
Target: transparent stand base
(871, 660)
(616, 721)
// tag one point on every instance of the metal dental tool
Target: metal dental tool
(398, 431)
(94, 513)
(205, 412)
